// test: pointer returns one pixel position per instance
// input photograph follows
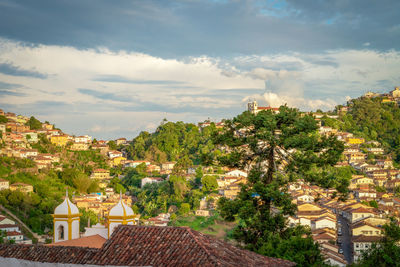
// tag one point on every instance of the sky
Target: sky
(112, 69)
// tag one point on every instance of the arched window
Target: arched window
(60, 232)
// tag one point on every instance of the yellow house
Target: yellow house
(118, 160)
(25, 188)
(388, 100)
(59, 140)
(396, 92)
(308, 207)
(100, 174)
(360, 213)
(355, 140)
(363, 228)
(79, 147)
(359, 181)
(231, 191)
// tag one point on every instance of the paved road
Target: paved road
(346, 239)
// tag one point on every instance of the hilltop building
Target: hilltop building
(254, 108)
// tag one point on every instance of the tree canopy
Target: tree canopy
(179, 141)
(34, 123)
(277, 149)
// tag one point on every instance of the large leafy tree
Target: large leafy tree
(276, 149)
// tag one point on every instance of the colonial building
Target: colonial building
(254, 108)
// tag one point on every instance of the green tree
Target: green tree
(182, 165)
(3, 119)
(112, 145)
(34, 123)
(85, 217)
(278, 149)
(209, 183)
(82, 182)
(184, 209)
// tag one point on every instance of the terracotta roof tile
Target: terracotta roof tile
(148, 245)
(94, 241)
(60, 254)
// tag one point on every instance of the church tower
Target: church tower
(66, 221)
(120, 214)
(252, 107)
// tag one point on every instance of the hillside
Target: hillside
(375, 118)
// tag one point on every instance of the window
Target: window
(357, 245)
(61, 232)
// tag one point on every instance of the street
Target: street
(346, 239)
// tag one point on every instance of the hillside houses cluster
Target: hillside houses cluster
(371, 203)
(12, 232)
(100, 203)
(391, 97)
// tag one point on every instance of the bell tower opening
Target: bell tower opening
(61, 232)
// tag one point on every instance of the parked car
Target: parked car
(340, 250)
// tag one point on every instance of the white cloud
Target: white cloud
(106, 93)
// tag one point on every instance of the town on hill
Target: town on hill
(333, 176)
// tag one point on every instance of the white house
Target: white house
(323, 222)
(236, 173)
(14, 235)
(150, 180)
(83, 139)
(114, 154)
(305, 198)
(5, 220)
(9, 227)
(4, 184)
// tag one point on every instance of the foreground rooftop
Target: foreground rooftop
(146, 246)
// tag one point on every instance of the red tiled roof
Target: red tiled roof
(147, 246)
(156, 246)
(13, 233)
(94, 241)
(74, 255)
(364, 238)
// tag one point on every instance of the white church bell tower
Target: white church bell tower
(66, 221)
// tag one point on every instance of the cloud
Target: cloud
(12, 70)
(4, 85)
(104, 96)
(112, 94)
(9, 92)
(120, 79)
(192, 28)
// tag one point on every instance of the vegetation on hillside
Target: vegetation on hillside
(373, 120)
(278, 149)
(174, 141)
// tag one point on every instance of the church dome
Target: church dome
(121, 209)
(66, 208)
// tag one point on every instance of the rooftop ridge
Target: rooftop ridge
(212, 257)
